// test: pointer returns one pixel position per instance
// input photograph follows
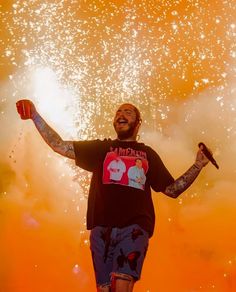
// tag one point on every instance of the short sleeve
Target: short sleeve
(87, 154)
(160, 177)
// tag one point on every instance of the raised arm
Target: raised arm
(27, 110)
(185, 180)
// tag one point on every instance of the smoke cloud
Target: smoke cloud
(175, 61)
(43, 207)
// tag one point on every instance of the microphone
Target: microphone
(208, 154)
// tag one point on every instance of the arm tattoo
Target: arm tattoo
(183, 182)
(64, 148)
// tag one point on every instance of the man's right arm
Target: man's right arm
(27, 110)
(60, 146)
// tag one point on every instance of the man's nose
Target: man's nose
(120, 115)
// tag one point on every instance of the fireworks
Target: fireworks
(78, 60)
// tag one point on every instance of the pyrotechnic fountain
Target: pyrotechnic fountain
(78, 60)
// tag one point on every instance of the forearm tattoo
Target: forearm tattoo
(183, 182)
(64, 148)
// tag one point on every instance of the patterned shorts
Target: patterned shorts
(118, 250)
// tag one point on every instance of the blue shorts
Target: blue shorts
(118, 250)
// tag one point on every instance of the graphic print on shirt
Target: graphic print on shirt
(128, 169)
(116, 168)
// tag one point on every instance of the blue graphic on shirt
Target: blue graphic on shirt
(136, 175)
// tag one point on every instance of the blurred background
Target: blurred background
(78, 61)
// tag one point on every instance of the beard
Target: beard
(125, 134)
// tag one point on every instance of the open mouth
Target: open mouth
(122, 122)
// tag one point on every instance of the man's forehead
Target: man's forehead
(127, 106)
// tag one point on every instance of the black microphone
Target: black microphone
(208, 154)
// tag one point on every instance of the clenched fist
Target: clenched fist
(26, 109)
(201, 159)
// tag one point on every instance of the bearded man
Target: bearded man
(120, 215)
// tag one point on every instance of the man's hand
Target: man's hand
(201, 159)
(26, 109)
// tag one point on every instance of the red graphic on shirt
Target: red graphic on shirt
(125, 170)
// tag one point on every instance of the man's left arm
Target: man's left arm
(184, 181)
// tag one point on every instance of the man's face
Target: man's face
(125, 121)
(139, 163)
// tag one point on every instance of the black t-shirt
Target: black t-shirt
(123, 175)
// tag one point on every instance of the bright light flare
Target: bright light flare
(54, 102)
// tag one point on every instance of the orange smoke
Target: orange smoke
(77, 61)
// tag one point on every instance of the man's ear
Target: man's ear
(139, 122)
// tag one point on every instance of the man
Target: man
(121, 217)
(116, 168)
(136, 175)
